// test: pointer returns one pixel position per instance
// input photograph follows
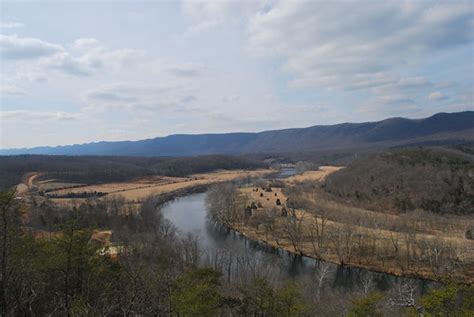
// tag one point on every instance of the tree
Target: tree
(449, 300)
(9, 233)
(293, 228)
(366, 306)
(344, 243)
(317, 233)
(270, 216)
(222, 202)
(288, 301)
(258, 299)
(68, 260)
(196, 294)
(405, 296)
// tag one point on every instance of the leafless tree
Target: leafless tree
(343, 240)
(292, 227)
(270, 216)
(190, 249)
(321, 273)
(404, 295)
(367, 282)
(222, 202)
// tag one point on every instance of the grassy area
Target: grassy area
(310, 223)
(141, 188)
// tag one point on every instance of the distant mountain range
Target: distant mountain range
(441, 128)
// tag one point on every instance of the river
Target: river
(240, 258)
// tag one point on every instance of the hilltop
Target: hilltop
(439, 129)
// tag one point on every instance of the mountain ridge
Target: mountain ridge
(440, 127)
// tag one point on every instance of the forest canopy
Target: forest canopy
(436, 180)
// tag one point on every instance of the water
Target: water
(286, 172)
(242, 259)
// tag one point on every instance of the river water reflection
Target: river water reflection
(241, 258)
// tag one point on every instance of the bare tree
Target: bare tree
(321, 273)
(343, 240)
(404, 295)
(317, 233)
(191, 251)
(269, 220)
(222, 202)
(292, 227)
(367, 282)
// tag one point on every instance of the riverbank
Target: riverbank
(135, 191)
(285, 245)
(321, 229)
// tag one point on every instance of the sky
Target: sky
(84, 71)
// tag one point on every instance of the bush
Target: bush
(366, 306)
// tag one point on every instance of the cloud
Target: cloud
(11, 25)
(230, 99)
(436, 96)
(184, 70)
(206, 15)
(347, 45)
(71, 65)
(92, 58)
(85, 43)
(17, 48)
(136, 97)
(83, 58)
(38, 115)
(11, 90)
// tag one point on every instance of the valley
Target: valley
(396, 223)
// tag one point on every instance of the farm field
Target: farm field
(318, 175)
(139, 189)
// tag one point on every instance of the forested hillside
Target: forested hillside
(439, 129)
(97, 169)
(437, 180)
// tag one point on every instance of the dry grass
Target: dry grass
(318, 175)
(21, 188)
(268, 200)
(141, 188)
(343, 218)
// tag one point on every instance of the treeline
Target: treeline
(53, 263)
(97, 169)
(434, 180)
(94, 194)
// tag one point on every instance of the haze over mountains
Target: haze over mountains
(437, 129)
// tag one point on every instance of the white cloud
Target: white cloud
(436, 96)
(11, 25)
(11, 90)
(139, 97)
(349, 45)
(17, 48)
(28, 115)
(83, 58)
(85, 43)
(206, 15)
(185, 69)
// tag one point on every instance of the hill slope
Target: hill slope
(439, 128)
(436, 179)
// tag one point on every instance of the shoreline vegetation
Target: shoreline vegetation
(307, 223)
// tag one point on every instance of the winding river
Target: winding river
(240, 258)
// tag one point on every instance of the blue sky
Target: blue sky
(75, 72)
